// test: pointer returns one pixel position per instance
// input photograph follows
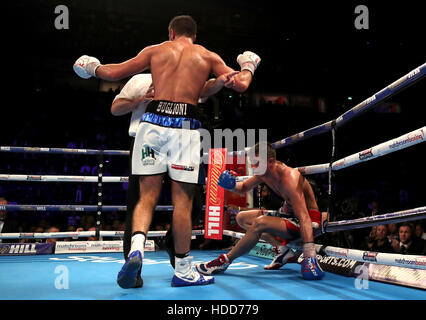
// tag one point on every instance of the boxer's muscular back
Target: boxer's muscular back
(179, 71)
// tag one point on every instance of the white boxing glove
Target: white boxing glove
(248, 61)
(86, 66)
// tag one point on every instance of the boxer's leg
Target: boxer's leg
(132, 199)
(245, 220)
(185, 275)
(149, 191)
(261, 224)
(274, 225)
(182, 197)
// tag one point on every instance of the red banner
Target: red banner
(238, 200)
(215, 197)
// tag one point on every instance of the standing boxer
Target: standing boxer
(133, 98)
(179, 70)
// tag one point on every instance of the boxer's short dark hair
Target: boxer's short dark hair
(270, 151)
(183, 25)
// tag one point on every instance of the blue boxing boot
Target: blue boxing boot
(129, 275)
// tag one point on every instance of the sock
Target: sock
(182, 256)
(183, 267)
(138, 242)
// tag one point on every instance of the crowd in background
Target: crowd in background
(381, 186)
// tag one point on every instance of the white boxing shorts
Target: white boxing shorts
(167, 140)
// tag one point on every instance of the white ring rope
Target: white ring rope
(407, 140)
(80, 208)
(55, 178)
(399, 260)
(64, 151)
(79, 234)
(389, 259)
(397, 86)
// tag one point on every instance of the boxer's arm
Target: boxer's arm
(241, 81)
(214, 85)
(122, 106)
(211, 87)
(245, 186)
(118, 71)
(295, 195)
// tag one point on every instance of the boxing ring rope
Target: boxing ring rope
(402, 142)
(394, 217)
(407, 140)
(64, 151)
(57, 178)
(387, 218)
(397, 86)
(61, 208)
(79, 234)
(389, 259)
(402, 83)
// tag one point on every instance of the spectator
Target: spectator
(407, 243)
(2, 215)
(73, 220)
(52, 229)
(380, 242)
(70, 228)
(420, 234)
(79, 238)
(122, 226)
(85, 169)
(392, 231)
(79, 195)
(116, 225)
(38, 230)
(7, 225)
(87, 221)
(366, 245)
(21, 229)
(92, 238)
(374, 207)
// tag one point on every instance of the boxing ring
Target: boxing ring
(91, 275)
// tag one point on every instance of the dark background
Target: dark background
(308, 49)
